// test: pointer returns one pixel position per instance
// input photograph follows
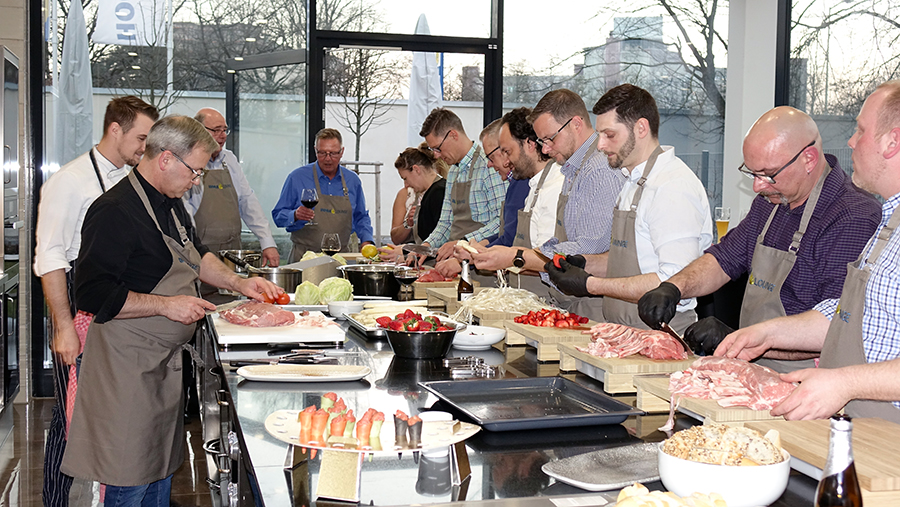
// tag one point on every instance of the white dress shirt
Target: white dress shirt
(250, 210)
(65, 199)
(543, 216)
(673, 224)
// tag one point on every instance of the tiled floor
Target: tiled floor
(22, 461)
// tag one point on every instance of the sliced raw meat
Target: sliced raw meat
(432, 276)
(616, 340)
(256, 314)
(732, 382)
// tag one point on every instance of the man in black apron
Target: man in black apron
(584, 207)
(341, 207)
(858, 334)
(662, 220)
(806, 224)
(138, 273)
(65, 199)
(225, 198)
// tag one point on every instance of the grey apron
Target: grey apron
(334, 213)
(128, 428)
(769, 269)
(529, 280)
(623, 261)
(461, 205)
(844, 341)
(218, 218)
(590, 306)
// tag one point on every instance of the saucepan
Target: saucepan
(286, 278)
(252, 257)
(371, 279)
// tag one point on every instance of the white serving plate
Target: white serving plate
(478, 337)
(303, 372)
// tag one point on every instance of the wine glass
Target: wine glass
(406, 275)
(723, 215)
(331, 243)
(309, 198)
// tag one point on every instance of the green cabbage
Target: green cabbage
(335, 289)
(310, 255)
(307, 294)
(340, 258)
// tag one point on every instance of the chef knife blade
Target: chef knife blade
(671, 332)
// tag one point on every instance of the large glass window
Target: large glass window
(840, 51)
(460, 18)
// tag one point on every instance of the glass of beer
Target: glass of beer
(723, 215)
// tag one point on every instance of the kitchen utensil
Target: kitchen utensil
(252, 257)
(666, 328)
(425, 250)
(286, 278)
(423, 344)
(230, 256)
(371, 279)
(607, 469)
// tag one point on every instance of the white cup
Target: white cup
(432, 416)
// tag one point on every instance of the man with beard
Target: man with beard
(661, 222)
(807, 222)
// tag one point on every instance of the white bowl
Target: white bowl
(478, 337)
(747, 486)
(340, 309)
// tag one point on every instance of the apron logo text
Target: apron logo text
(193, 266)
(220, 186)
(621, 243)
(762, 284)
(844, 315)
(333, 211)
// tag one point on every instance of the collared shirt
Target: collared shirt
(65, 198)
(302, 177)
(844, 220)
(589, 212)
(515, 200)
(122, 249)
(248, 205)
(673, 225)
(485, 197)
(543, 211)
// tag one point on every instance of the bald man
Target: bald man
(806, 223)
(224, 198)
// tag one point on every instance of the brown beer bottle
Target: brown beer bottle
(465, 290)
(839, 485)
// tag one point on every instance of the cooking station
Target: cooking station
(248, 466)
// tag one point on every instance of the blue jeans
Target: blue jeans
(155, 494)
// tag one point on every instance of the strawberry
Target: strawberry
(383, 321)
(556, 258)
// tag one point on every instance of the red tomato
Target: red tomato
(283, 299)
(556, 258)
(267, 298)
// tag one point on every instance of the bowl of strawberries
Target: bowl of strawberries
(415, 336)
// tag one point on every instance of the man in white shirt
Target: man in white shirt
(65, 198)
(225, 197)
(661, 222)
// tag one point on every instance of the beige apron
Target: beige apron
(334, 213)
(218, 218)
(844, 342)
(769, 269)
(590, 306)
(461, 205)
(623, 261)
(128, 427)
(529, 280)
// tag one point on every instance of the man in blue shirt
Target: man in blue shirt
(341, 206)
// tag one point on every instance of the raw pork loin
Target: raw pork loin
(433, 276)
(256, 314)
(615, 340)
(731, 382)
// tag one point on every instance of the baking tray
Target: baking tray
(607, 469)
(368, 332)
(530, 403)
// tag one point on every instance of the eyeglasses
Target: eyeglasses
(438, 149)
(771, 179)
(493, 151)
(550, 139)
(220, 130)
(197, 174)
(328, 154)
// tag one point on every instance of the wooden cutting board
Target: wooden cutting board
(649, 387)
(547, 339)
(876, 447)
(617, 374)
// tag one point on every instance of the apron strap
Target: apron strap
(97, 170)
(316, 169)
(884, 235)
(808, 211)
(540, 185)
(640, 184)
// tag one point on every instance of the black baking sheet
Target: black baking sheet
(530, 403)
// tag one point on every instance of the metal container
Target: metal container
(286, 278)
(422, 344)
(372, 279)
(251, 257)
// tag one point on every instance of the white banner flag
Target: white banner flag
(131, 22)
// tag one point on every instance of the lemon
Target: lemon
(369, 251)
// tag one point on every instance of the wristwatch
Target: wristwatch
(519, 261)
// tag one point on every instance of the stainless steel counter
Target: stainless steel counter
(505, 465)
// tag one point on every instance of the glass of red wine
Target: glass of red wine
(309, 198)
(406, 275)
(331, 243)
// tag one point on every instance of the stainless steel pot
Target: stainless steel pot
(372, 279)
(251, 257)
(286, 278)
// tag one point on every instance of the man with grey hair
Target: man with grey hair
(137, 273)
(225, 198)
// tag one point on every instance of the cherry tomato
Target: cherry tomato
(283, 299)
(556, 258)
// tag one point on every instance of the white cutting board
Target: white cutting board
(232, 334)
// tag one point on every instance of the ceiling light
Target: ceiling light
(250, 39)
(132, 53)
(136, 67)
(231, 71)
(239, 58)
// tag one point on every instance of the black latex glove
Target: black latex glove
(659, 305)
(577, 260)
(568, 278)
(705, 335)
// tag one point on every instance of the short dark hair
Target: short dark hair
(329, 133)
(440, 121)
(519, 128)
(123, 110)
(631, 104)
(562, 104)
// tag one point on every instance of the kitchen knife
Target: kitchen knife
(671, 332)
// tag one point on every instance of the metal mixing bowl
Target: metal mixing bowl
(422, 344)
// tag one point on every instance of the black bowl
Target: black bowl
(422, 344)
